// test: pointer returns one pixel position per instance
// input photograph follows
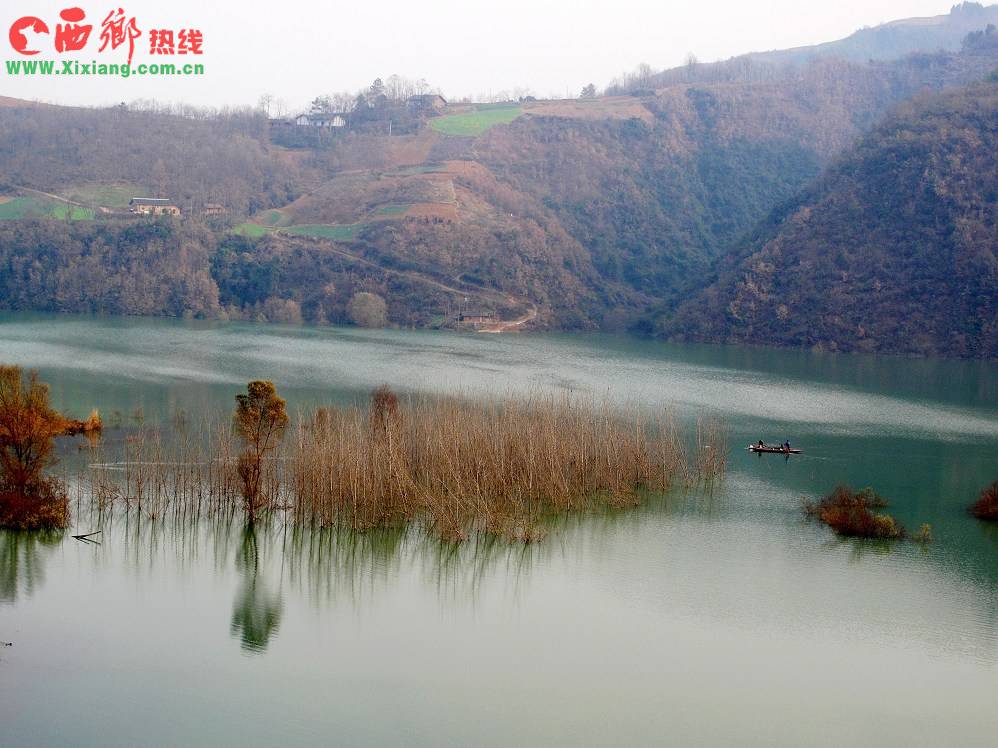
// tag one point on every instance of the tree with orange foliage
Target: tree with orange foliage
(28, 425)
(260, 421)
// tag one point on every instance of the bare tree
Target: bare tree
(691, 67)
(266, 101)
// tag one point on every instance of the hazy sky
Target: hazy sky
(296, 49)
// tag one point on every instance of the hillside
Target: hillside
(70, 151)
(601, 212)
(893, 249)
(655, 198)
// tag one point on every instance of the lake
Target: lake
(707, 619)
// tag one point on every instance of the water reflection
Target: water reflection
(336, 563)
(339, 565)
(655, 551)
(22, 561)
(256, 613)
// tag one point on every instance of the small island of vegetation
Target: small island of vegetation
(986, 506)
(851, 514)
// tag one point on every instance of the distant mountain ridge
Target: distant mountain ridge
(883, 43)
(895, 39)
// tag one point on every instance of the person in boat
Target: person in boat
(761, 444)
(786, 446)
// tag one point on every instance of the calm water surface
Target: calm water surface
(706, 620)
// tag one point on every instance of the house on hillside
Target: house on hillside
(214, 209)
(153, 206)
(427, 103)
(324, 120)
(478, 318)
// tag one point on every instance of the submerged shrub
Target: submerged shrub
(986, 506)
(851, 514)
(43, 506)
(93, 424)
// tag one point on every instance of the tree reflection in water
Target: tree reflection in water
(256, 613)
(22, 561)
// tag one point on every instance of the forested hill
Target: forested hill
(192, 158)
(894, 249)
(602, 212)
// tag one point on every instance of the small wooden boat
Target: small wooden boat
(774, 450)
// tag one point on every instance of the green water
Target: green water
(691, 620)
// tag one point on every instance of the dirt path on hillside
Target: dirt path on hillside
(49, 195)
(512, 324)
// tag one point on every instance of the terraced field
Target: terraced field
(275, 218)
(392, 210)
(39, 207)
(105, 195)
(335, 232)
(475, 123)
(342, 233)
(252, 230)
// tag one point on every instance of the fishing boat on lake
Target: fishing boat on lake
(778, 449)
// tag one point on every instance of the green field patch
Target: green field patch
(409, 171)
(341, 233)
(252, 230)
(19, 207)
(471, 124)
(273, 218)
(104, 195)
(41, 207)
(392, 210)
(72, 212)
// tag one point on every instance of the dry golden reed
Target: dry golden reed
(457, 464)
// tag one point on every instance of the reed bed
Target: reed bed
(457, 465)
